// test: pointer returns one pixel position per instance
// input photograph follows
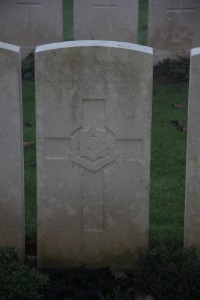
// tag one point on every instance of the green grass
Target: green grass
(30, 159)
(142, 26)
(168, 165)
(17, 280)
(168, 152)
(68, 20)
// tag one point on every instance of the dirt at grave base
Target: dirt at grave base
(83, 283)
(86, 284)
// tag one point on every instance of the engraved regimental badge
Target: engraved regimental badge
(93, 148)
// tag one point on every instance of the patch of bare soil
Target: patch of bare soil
(86, 284)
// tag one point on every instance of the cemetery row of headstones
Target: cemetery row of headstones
(93, 117)
(173, 25)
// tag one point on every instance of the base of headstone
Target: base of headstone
(142, 296)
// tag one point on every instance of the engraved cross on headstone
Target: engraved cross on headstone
(28, 6)
(92, 149)
(93, 146)
(180, 9)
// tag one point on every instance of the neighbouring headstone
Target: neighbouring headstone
(173, 26)
(192, 203)
(115, 20)
(11, 150)
(93, 109)
(29, 23)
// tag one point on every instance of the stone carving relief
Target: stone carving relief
(93, 148)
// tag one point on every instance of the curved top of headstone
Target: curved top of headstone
(9, 47)
(94, 43)
(195, 51)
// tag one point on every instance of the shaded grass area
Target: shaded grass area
(168, 165)
(28, 89)
(68, 20)
(142, 25)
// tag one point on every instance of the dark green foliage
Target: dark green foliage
(17, 281)
(7, 254)
(28, 67)
(173, 70)
(170, 273)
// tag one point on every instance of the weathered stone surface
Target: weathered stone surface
(115, 20)
(31, 22)
(175, 25)
(192, 204)
(11, 153)
(93, 150)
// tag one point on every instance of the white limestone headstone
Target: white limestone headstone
(192, 204)
(173, 25)
(11, 151)
(30, 23)
(93, 109)
(115, 20)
